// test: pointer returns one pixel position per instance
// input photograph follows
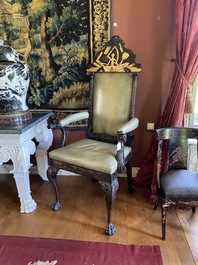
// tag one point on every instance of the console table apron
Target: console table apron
(16, 143)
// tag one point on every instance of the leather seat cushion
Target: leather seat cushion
(90, 154)
(179, 185)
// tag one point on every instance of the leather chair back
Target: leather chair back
(111, 101)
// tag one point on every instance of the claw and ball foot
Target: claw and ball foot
(110, 229)
(56, 206)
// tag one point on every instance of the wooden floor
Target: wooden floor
(83, 217)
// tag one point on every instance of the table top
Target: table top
(19, 129)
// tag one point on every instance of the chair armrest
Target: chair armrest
(74, 117)
(129, 126)
(121, 134)
(69, 119)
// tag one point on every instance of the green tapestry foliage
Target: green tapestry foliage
(53, 37)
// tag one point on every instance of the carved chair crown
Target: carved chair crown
(115, 58)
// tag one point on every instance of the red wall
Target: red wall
(147, 27)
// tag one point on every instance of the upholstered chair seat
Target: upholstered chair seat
(179, 185)
(89, 154)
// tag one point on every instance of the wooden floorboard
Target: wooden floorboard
(83, 217)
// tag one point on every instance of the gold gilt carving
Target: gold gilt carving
(114, 57)
(99, 24)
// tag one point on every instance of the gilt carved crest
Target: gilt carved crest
(114, 57)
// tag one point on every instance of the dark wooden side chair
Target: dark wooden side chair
(107, 149)
(177, 186)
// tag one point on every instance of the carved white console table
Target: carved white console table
(16, 143)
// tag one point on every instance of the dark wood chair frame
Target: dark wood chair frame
(108, 182)
(164, 136)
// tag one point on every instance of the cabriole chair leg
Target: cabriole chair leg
(110, 194)
(51, 174)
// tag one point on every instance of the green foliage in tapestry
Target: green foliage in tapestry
(53, 37)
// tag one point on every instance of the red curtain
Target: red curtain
(186, 69)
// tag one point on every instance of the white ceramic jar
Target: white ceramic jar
(14, 83)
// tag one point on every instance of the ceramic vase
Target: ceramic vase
(14, 84)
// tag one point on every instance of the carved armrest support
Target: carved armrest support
(122, 137)
(120, 150)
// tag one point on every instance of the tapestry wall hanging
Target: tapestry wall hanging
(58, 40)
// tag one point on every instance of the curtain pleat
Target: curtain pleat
(173, 114)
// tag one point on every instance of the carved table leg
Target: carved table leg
(110, 193)
(20, 156)
(28, 205)
(45, 141)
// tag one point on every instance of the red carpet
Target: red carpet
(29, 251)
